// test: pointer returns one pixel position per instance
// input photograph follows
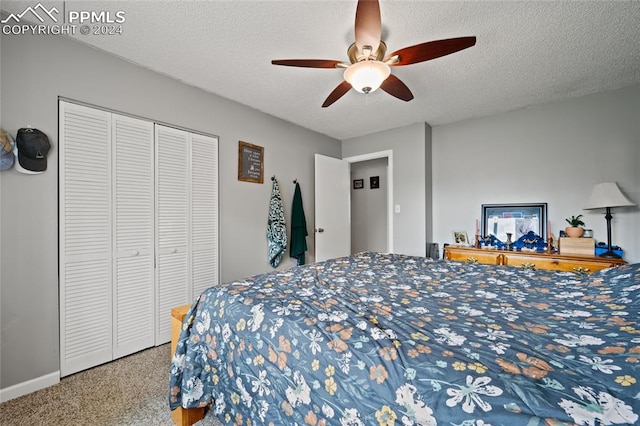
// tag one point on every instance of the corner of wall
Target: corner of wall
(428, 183)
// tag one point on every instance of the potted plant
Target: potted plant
(575, 230)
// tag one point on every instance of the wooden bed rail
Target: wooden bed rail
(182, 416)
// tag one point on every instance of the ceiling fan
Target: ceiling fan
(370, 68)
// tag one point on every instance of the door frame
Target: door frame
(388, 154)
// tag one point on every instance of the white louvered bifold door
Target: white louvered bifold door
(138, 225)
(172, 226)
(204, 213)
(133, 235)
(85, 238)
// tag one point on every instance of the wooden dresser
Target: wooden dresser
(526, 259)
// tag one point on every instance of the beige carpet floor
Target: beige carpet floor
(129, 391)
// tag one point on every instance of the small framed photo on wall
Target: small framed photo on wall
(358, 183)
(374, 182)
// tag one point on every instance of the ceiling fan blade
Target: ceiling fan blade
(395, 87)
(307, 63)
(430, 50)
(368, 25)
(337, 93)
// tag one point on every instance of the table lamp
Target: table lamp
(607, 196)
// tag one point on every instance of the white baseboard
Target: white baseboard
(29, 386)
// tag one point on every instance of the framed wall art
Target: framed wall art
(517, 219)
(374, 182)
(250, 162)
(358, 183)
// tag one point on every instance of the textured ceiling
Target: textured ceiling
(527, 53)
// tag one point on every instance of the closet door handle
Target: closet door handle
(320, 230)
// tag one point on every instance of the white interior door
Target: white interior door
(172, 224)
(85, 238)
(133, 235)
(204, 214)
(332, 208)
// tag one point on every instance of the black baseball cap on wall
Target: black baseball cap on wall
(33, 147)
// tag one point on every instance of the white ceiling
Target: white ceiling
(527, 53)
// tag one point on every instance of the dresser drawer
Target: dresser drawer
(558, 263)
(538, 262)
(463, 254)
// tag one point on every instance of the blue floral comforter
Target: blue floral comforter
(379, 339)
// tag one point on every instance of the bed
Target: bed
(384, 339)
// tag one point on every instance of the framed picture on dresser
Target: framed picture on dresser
(517, 219)
(460, 238)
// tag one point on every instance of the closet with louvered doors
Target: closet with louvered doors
(126, 239)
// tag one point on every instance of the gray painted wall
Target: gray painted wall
(35, 71)
(552, 153)
(409, 176)
(369, 207)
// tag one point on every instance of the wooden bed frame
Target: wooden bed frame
(182, 416)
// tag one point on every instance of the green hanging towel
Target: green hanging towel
(276, 227)
(298, 228)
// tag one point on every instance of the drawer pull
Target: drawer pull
(528, 266)
(472, 260)
(581, 270)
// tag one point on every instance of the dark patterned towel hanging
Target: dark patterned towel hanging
(276, 227)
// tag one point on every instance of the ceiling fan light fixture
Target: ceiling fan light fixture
(367, 76)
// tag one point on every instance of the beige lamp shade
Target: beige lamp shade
(607, 194)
